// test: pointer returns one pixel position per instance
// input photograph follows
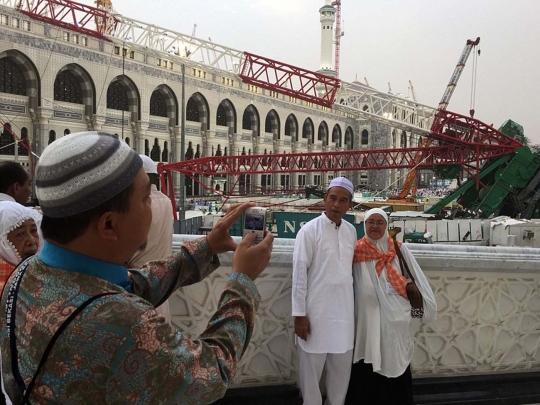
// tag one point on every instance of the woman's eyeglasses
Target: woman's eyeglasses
(378, 223)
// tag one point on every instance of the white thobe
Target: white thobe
(6, 197)
(383, 317)
(322, 285)
(159, 240)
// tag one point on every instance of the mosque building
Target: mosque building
(56, 80)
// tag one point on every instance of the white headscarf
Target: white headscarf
(382, 243)
(12, 215)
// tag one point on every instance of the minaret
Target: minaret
(328, 18)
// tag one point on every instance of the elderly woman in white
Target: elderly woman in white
(384, 343)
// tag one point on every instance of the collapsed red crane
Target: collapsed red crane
(457, 139)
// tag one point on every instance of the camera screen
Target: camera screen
(255, 222)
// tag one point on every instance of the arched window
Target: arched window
(198, 152)
(291, 127)
(189, 152)
(165, 153)
(7, 145)
(117, 97)
(307, 130)
(128, 141)
(67, 131)
(146, 147)
(225, 151)
(221, 118)
(12, 79)
(192, 111)
(365, 137)
(403, 139)
(24, 141)
(52, 137)
(218, 151)
(246, 120)
(67, 88)
(156, 151)
(158, 106)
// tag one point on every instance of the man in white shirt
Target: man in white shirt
(323, 297)
(159, 240)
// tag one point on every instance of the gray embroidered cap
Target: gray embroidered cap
(80, 171)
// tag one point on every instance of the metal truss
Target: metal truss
(456, 139)
(290, 80)
(394, 111)
(375, 159)
(70, 15)
(180, 45)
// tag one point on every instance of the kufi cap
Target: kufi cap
(148, 165)
(80, 171)
(342, 182)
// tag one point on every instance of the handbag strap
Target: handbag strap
(402, 261)
(11, 306)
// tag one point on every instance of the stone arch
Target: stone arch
(403, 142)
(322, 133)
(30, 73)
(272, 124)
(165, 153)
(291, 127)
(197, 110)
(226, 115)
(365, 137)
(129, 98)
(155, 154)
(52, 137)
(88, 88)
(251, 120)
(349, 136)
(336, 135)
(308, 131)
(164, 94)
(24, 141)
(7, 143)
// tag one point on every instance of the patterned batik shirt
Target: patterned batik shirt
(119, 350)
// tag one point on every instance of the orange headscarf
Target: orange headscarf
(366, 251)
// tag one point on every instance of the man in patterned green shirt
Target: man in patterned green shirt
(96, 202)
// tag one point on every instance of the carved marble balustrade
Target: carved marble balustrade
(488, 313)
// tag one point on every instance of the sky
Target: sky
(386, 41)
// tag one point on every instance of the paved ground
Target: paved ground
(288, 395)
(279, 395)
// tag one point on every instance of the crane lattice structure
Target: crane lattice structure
(455, 139)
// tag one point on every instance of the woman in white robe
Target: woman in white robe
(384, 343)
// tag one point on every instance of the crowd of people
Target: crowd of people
(84, 315)
(433, 191)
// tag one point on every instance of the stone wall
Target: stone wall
(488, 313)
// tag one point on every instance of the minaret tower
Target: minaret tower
(328, 18)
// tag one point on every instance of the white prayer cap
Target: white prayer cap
(342, 182)
(149, 166)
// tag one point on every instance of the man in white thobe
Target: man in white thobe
(159, 240)
(323, 297)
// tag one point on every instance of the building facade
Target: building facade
(54, 81)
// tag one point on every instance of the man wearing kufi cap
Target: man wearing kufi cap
(96, 203)
(323, 297)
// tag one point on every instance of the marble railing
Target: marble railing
(488, 313)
